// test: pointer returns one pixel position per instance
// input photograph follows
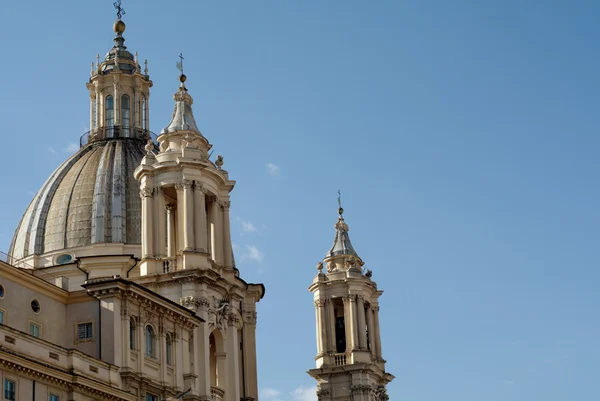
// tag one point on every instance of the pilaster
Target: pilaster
(232, 346)
(200, 223)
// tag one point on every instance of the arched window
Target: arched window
(125, 115)
(132, 331)
(169, 355)
(150, 341)
(109, 114)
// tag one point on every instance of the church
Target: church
(121, 282)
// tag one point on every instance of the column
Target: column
(377, 333)
(198, 369)
(331, 309)
(354, 324)
(179, 353)
(347, 322)
(371, 338)
(321, 327)
(185, 339)
(117, 331)
(116, 103)
(227, 251)
(188, 216)
(126, 326)
(179, 216)
(318, 328)
(170, 230)
(202, 349)
(162, 346)
(250, 365)
(217, 232)
(362, 325)
(161, 223)
(147, 226)
(147, 122)
(92, 99)
(134, 106)
(141, 343)
(97, 124)
(200, 218)
(232, 346)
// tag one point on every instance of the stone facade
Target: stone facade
(121, 282)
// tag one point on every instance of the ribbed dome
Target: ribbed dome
(91, 198)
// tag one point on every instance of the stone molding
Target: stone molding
(69, 386)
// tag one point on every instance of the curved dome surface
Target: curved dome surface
(91, 198)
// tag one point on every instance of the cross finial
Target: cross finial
(180, 63)
(120, 10)
(340, 209)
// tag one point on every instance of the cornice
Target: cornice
(66, 380)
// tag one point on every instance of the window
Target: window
(1, 291)
(53, 397)
(84, 331)
(9, 390)
(110, 113)
(169, 349)
(150, 397)
(35, 306)
(132, 333)
(125, 114)
(150, 341)
(34, 329)
(64, 259)
(1, 317)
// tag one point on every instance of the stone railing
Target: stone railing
(339, 359)
(169, 264)
(217, 393)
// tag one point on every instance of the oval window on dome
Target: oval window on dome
(64, 259)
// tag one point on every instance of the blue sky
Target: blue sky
(463, 135)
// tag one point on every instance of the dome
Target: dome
(91, 198)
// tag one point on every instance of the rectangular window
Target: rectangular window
(53, 397)
(150, 397)
(84, 331)
(9, 390)
(1, 317)
(34, 329)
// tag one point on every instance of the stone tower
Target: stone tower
(187, 255)
(350, 365)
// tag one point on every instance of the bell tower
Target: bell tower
(350, 364)
(185, 198)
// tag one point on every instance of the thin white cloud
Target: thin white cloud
(305, 393)
(247, 226)
(72, 148)
(252, 253)
(51, 150)
(273, 169)
(299, 394)
(269, 393)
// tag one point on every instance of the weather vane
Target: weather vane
(180, 63)
(120, 10)
(340, 210)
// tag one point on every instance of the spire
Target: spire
(341, 242)
(119, 58)
(183, 116)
